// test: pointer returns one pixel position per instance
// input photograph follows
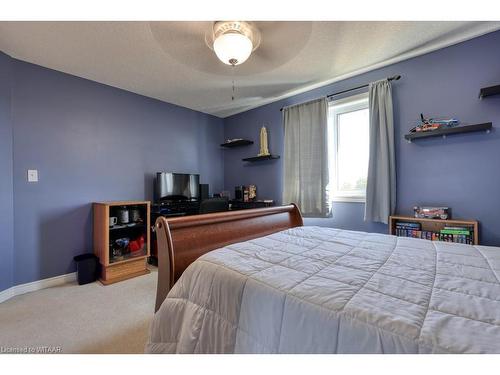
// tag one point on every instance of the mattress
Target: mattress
(324, 290)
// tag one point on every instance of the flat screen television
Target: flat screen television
(177, 186)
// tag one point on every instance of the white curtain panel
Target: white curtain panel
(381, 184)
(306, 157)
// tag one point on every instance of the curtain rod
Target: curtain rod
(394, 78)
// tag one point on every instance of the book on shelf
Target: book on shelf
(455, 231)
(404, 224)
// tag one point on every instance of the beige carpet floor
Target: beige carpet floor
(90, 318)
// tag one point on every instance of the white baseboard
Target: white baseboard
(6, 294)
(37, 285)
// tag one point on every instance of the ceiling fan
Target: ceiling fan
(233, 41)
(191, 43)
(244, 48)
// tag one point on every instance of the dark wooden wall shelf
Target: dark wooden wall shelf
(489, 91)
(238, 143)
(446, 131)
(259, 158)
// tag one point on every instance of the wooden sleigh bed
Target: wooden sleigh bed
(259, 281)
(184, 239)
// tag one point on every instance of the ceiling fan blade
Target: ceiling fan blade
(185, 42)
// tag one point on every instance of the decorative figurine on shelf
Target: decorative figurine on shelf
(264, 150)
(252, 192)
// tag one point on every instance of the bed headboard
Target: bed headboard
(182, 240)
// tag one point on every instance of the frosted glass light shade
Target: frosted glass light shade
(233, 48)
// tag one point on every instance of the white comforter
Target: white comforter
(323, 290)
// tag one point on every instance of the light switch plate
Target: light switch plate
(32, 175)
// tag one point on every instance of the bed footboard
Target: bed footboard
(182, 240)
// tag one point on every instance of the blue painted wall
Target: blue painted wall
(461, 171)
(6, 189)
(91, 142)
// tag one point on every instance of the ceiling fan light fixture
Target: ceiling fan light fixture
(234, 41)
(233, 48)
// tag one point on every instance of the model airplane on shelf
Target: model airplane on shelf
(433, 124)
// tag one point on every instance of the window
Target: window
(348, 145)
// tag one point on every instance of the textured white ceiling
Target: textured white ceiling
(170, 61)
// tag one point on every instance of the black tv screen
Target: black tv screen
(177, 186)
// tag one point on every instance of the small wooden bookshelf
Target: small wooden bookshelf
(130, 262)
(435, 225)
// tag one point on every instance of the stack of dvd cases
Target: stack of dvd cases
(457, 234)
(407, 229)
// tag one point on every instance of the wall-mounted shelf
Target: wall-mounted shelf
(447, 131)
(259, 158)
(489, 91)
(238, 143)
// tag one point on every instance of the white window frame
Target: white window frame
(336, 108)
